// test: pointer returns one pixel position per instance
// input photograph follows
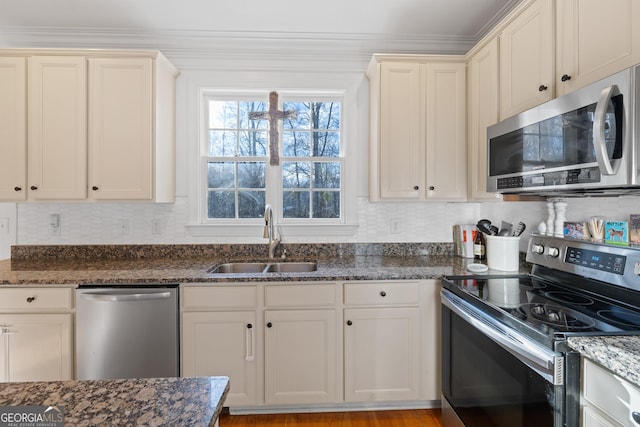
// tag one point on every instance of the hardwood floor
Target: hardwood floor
(401, 418)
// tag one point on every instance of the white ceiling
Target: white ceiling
(198, 27)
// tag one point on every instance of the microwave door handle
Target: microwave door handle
(599, 124)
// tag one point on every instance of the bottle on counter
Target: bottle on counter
(479, 246)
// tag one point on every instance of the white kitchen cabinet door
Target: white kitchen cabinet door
(223, 343)
(444, 86)
(57, 128)
(483, 89)
(527, 59)
(400, 150)
(120, 128)
(382, 354)
(36, 347)
(13, 128)
(594, 40)
(300, 357)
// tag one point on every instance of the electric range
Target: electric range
(516, 328)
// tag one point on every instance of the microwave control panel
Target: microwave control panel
(547, 179)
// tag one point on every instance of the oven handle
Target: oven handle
(537, 358)
(599, 126)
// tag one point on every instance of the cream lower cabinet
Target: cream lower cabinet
(220, 337)
(391, 349)
(36, 334)
(36, 347)
(300, 344)
(607, 400)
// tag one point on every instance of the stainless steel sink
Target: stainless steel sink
(239, 267)
(263, 267)
(291, 267)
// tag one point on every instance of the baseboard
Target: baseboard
(336, 407)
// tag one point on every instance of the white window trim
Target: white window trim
(289, 227)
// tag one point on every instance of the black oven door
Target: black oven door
(494, 377)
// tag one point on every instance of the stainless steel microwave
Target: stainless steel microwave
(585, 142)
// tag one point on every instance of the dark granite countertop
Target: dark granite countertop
(192, 401)
(167, 270)
(140, 264)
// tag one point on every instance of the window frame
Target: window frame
(292, 227)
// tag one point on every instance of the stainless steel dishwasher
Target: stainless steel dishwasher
(126, 332)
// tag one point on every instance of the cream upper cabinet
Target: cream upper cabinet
(57, 128)
(594, 40)
(13, 128)
(131, 129)
(87, 125)
(444, 127)
(527, 59)
(397, 151)
(417, 109)
(120, 128)
(483, 89)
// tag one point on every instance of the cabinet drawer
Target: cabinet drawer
(300, 295)
(611, 394)
(14, 299)
(214, 297)
(381, 293)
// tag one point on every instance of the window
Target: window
(304, 187)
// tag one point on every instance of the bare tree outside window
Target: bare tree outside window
(237, 153)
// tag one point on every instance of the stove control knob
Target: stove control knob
(537, 248)
(553, 252)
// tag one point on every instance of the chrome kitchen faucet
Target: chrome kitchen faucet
(269, 231)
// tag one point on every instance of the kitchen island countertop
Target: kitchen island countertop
(191, 401)
(619, 354)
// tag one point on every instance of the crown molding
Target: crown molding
(203, 49)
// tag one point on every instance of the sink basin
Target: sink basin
(239, 267)
(291, 267)
(263, 267)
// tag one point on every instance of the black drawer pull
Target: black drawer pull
(269, 325)
(349, 322)
(383, 294)
(31, 299)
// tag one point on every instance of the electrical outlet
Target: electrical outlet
(124, 227)
(157, 226)
(54, 224)
(4, 225)
(394, 226)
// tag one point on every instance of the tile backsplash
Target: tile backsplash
(145, 223)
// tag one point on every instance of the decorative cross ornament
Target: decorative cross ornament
(273, 115)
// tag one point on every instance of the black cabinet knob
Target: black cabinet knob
(415, 187)
(17, 188)
(383, 294)
(94, 188)
(542, 88)
(349, 322)
(31, 299)
(249, 326)
(33, 187)
(269, 325)
(565, 77)
(432, 188)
